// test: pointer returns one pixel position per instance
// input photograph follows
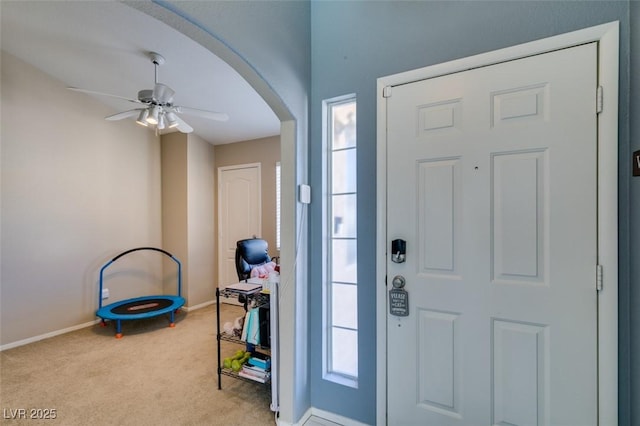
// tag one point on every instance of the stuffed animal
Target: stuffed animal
(234, 329)
(237, 326)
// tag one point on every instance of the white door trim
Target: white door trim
(607, 36)
(220, 225)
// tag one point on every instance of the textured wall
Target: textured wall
(354, 43)
(76, 191)
(268, 43)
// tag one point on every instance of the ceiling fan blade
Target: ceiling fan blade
(103, 94)
(124, 114)
(211, 115)
(182, 126)
(162, 93)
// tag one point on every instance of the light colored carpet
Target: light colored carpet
(154, 375)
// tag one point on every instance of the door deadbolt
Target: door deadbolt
(398, 251)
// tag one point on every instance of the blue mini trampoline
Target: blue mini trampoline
(140, 307)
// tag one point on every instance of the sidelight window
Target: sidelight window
(340, 301)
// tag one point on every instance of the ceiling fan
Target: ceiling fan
(157, 109)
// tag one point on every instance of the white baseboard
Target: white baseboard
(301, 422)
(315, 416)
(200, 306)
(48, 335)
(81, 326)
(335, 418)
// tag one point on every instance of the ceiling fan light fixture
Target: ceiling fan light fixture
(154, 112)
(161, 123)
(157, 110)
(172, 120)
(142, 118)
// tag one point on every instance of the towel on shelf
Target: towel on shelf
(245, 327)
(251, 329)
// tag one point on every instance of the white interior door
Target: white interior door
(492, 182)
(239, 214)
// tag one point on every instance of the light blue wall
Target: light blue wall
(353, 44)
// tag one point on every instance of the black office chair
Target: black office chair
(250, 253)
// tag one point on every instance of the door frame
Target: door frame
(221, 170)
(607, 36)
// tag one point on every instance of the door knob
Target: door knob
(398, 281)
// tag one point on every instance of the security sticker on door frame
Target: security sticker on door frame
(398, 302)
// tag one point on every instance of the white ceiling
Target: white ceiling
(103, 46)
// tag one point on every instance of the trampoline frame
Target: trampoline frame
(105, 312)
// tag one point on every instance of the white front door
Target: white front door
(239, 214)
(491, 180)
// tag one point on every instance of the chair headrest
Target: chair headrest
(254, 251)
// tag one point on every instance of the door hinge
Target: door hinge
(599, 100)
(386, 92)
(598, 277)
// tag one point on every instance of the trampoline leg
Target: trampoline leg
(103, 323)
(118, 329)
(172, 324)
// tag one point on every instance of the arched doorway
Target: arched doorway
(292, 112)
